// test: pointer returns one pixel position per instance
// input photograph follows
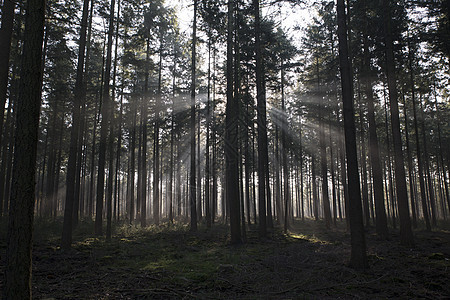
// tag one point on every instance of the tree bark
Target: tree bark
(21, 213)
(374, 152)
(358, 257)
(262, 127)
(427, 170)
(207, 146)
(5, 40)
(231, 138)
(105, 112)
(66, 239)
(192, 185)
(410, 167)
(406, 235)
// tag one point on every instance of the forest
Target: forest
(224, 149)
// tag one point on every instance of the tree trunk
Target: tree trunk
(231, 138)
(333, 176)
(207, 146)
(6, 152)
(324, 169)
(410, 167)
(374, 152)
(156, 138)
(277, 188)
(406, 235)
(105, 111)
(262, 127)
(79, 94)
(365, 190)
(192, 185)
(315, 196)
(389, 189)
(284, 131)
(109, 194)
(21, 213)
(358, 258)
(5, 40)
(441, 156)
(427, 170)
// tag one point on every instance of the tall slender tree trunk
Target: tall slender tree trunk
(284, 131)
(406, 235)
(301, 173)
(374, 152)
(105, 112)
(358, 258)
(192, 185)
(6, 151)
(324, 170)
(5, 40)
(427, 170)
(333, 176)
(207, 146)
(441, 156)
(21, 214)
(109, 195)
(365, 190)
(198, 168)
(117, 198)
(172, 140)
(277, 188)
(410, 167)
(262, 127)
(156, 178)
(423, 195)
(315, 196)
(116, 210)
(79, 94)
(214, 146)
(389, 189)
(231, 138)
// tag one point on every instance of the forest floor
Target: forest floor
(172, 263)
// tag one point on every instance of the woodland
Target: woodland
(224, 149)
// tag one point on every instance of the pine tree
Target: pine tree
(21, 213)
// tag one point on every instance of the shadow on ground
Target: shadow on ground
(172, 263)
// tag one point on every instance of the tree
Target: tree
(231, 138)
(192, 186)
(406, 235)
(105, 112)
(5, 39)
(79, 94)
(358, 257)
(262, 127)
(374, 152)
(21, 213)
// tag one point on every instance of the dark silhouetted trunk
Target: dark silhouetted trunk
(406, 235)
(207, 146)
(431, 193)
(358, 258)
(410, 167)
(262, 127)
(374, 153)
(231, 138)
(5, 40)
(21, 214)
(105, 112)
(192, 185)
(79, 95)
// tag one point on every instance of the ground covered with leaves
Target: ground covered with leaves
(169, 262)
